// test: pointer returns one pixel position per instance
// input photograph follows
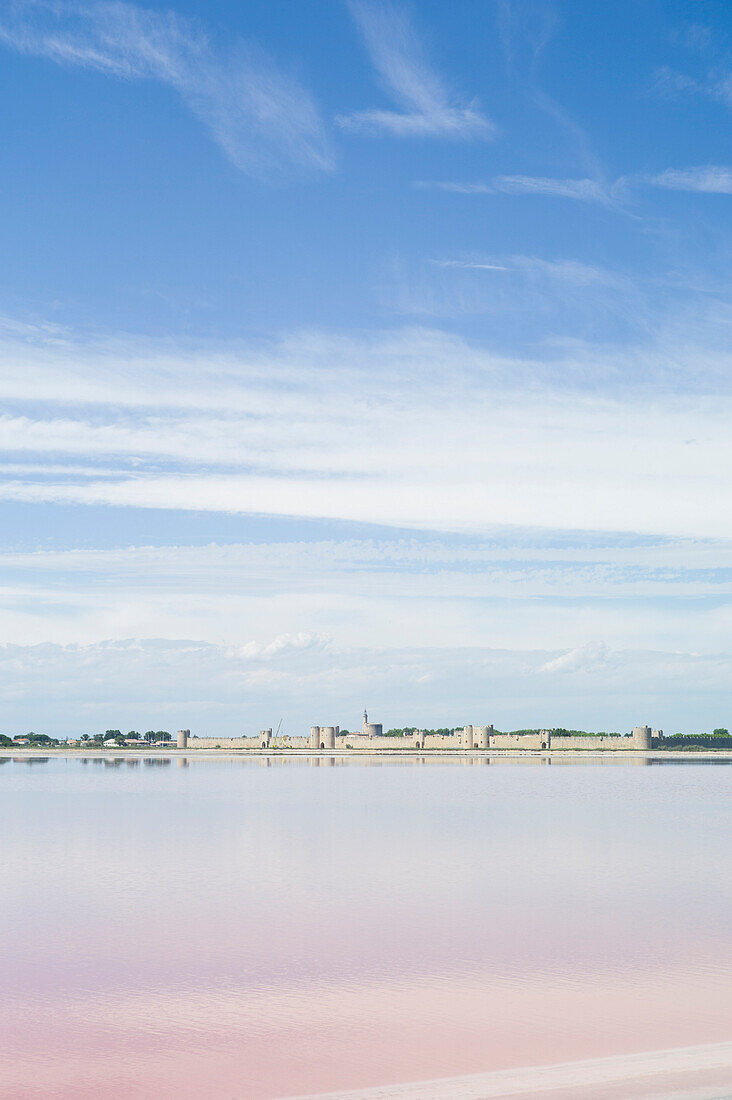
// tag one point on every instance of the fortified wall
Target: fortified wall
(371, 737)
(264, 740)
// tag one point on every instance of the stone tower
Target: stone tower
(371, 729)
(323, 737)
(642, 737)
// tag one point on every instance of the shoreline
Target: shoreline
(389, 754)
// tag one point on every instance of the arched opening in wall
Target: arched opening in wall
(264, 744)
(322, 744)
(543, 744)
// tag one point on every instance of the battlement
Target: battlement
(472, 738)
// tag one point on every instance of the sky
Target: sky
(365, 354)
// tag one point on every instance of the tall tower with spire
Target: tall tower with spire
(371, 729)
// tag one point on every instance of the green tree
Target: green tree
(721, 732)
(5, 741)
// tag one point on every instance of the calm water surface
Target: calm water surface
(244, 929)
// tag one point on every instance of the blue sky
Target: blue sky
(365, 353)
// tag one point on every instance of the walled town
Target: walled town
(372, 738)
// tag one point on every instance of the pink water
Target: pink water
(231, 929)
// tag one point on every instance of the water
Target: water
(245, 929)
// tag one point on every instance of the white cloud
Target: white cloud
(454, 186)
(260, 117)
(576, 464)
(582, 659)
(476, 265)
(155, 683)
(670, 84)
(585, 190)
(427, 108)
(411, 429)
(283, 645)
(591, 564)
(301, 601)
(710, 178)
(565, 271)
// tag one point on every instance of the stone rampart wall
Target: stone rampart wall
(517, 741)
(246, 742)
(224, 743)
(358, 741)
(459, 740)
(592, 743)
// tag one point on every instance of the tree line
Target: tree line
(151, 737)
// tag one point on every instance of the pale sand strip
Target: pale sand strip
(632, 1068)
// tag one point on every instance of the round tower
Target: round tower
(371, 729)
(642, 737)
(327, 737)
(182, 740)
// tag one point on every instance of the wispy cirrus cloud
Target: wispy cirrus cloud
(565, 271)
(586, 190)
(471, 265)
(710, 178)
(715, 83)
(453, 185)
(583, 190)
(259, 116)
(426, 107)
(432, 469)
